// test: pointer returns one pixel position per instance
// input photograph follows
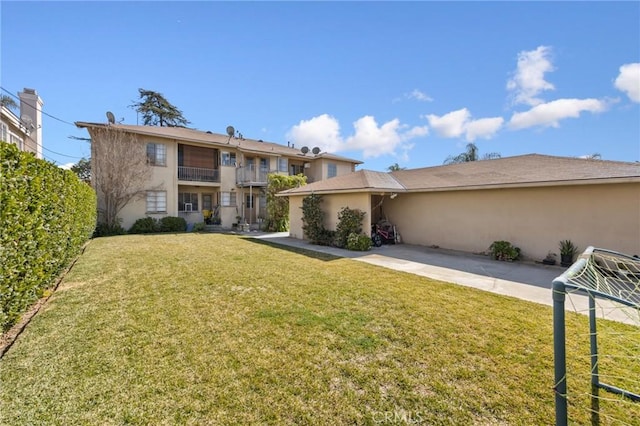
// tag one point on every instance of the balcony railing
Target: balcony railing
(251, 175)
(198, 174)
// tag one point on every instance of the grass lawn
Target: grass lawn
(218, 329)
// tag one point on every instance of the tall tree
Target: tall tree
(82, 169)
(7, 101)
(119, 171)
(471, 154)
(156, 110)
(395, 167)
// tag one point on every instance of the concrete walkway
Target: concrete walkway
(523, 280)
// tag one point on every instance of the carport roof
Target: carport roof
(519, 171)
(360, 181)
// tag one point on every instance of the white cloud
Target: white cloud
(528, 79)
(483, 128)
(372, 139)
(322, 131)
(416, 94)
(450, 125)
(67, 166)
(419, 96)
(628, 81)
(550, 113)
(458, 123)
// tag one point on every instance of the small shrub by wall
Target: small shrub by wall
(349, 222)
(358, 242)
(145, 225)
(173, 224)
(46, 215)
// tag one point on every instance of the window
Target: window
(264, 164)
(332, 170)
(187, 202)
(297, 169)
(16, 141)
(5, 131)
(156, 154)
(228, 199)
(282, 164)
(228, 158)
(156, 201)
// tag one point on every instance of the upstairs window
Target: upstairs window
(156, 154)
(283, 165)
(5, 132)
(228, 158)
(332, 170)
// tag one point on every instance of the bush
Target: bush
(503, 250)
(199, 227)
(349, 222)
(46, 216)
(358, 242)
(104, 230)
(325, 238)
(173, 224)
(313, 219)
(145, 225)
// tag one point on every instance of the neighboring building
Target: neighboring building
(196, 171)
(532, 201)
(25, 131)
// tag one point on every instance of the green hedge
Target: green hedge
(46, 215)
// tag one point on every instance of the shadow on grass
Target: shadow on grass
(309, 253)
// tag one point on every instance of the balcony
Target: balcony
(198, 174)
(250, 175)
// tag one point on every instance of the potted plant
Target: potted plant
(568, 251)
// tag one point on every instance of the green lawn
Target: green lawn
(217, 329)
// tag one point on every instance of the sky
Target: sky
(410, 83)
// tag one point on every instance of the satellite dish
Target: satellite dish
(26, 120)
(316, 151)
(110, 117)
(230, 131)
(304, 149)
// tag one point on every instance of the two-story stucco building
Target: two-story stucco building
(24, 131)
(195, 170)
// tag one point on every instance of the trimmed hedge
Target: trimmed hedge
(46, 215)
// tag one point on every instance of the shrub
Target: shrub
(313, 219)
(349, 222)
(46, 216)
(105, 230)
(145, 225)
(325, 238)
(503, 250)
(358, 242)
(199, 227)
(173, 224)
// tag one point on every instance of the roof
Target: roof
(199, 136)
(518, 171)
(360, 181)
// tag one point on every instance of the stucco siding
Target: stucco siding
(534, 219)
(331, 206)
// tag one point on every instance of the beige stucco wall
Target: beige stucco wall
(534, 219)
(331, 205)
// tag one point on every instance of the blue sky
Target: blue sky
(382, 82)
